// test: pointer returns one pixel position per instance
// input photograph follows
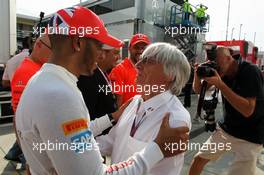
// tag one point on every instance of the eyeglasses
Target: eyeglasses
(144, 60)
(45, 44)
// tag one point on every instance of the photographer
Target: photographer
(241, 84)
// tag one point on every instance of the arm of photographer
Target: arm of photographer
(244, 105)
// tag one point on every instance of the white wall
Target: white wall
(7, 29)
(13, 26)
(121, 31)
(119, 15)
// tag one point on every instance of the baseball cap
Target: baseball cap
(107, 47)
(82, 22)
(139, 37)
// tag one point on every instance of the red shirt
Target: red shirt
(20, 79)
(123, 79)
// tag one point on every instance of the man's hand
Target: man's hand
(116, 115)
(196, 65)
(170, 136)
(197, 80)
(214, 80)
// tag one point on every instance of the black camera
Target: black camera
(207, 69)
(210, 104)
(209, 107)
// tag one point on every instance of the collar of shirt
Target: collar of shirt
(151, 107)
(61, 72)
(152, 104)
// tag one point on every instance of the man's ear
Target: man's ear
(76, 43)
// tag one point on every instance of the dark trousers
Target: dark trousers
(14, 151)
(187, 95)
(186, 16)
(201, 21)
(15, 154)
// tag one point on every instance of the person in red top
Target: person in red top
(123, 76)
(27, 69)
(29, 66)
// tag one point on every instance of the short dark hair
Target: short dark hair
(57, 40)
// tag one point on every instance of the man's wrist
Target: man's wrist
(220, 84)
(111, 118)
(196, 77)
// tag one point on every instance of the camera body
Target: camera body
(207, 69)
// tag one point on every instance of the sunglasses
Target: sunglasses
(45, 44)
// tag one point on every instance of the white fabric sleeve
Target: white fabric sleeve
(180, 118)
(98, 125)
(139, 164)
(178, 123)
(66, 123)
(105, 142)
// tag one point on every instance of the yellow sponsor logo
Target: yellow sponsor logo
(74, 126)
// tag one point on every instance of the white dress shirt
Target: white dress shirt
(120, 144)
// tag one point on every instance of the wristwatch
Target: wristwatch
(112, 120)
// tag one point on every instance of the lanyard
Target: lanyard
(105, 77)
(143, 118)
(135, 126)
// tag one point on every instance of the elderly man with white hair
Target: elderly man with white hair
(165, 70)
